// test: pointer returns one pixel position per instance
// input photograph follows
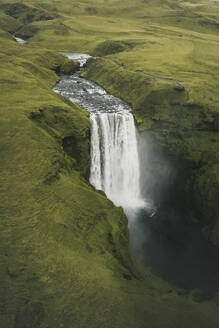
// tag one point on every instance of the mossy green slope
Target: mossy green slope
(64, 259)
(51, 218)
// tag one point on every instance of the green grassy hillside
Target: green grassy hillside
(64, 259)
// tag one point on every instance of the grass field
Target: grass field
(64, 259)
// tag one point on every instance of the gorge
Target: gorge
(132, 174)
(109, 195)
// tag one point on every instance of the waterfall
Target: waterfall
(114, 158)
(115, 167)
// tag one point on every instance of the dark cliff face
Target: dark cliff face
(177, 144)
(187, 133)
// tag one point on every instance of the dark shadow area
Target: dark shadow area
(171, 244)
(176, 250)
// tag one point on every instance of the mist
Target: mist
(164, 239)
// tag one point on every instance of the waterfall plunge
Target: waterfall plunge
(114, 158)
(115, 165)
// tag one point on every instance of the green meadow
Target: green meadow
(64, 247)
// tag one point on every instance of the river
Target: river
(172, 246)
